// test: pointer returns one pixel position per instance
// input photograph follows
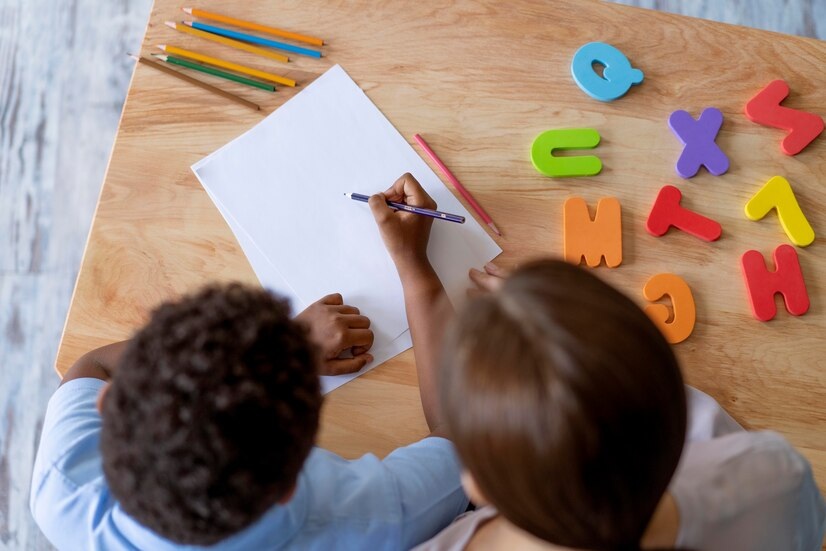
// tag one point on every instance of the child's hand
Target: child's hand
(335, 328)
(490, 280)
(405, 234)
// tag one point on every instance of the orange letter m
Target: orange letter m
(592, 239)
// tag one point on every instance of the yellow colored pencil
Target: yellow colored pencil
(226, 65)
(203, 14)
(237, 44)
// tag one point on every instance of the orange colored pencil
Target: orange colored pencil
(253, 26)
(237, 44)
(180, 52)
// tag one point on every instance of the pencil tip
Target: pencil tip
(187, 23)
(495, 229)
(187, 10)
(170, 24)
(162, 46)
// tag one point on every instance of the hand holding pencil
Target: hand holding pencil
(404, 234)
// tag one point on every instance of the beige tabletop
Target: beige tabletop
(480, 80)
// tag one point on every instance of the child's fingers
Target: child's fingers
(347, 309)
(359, 337)
(359, 350)
(346, 365)
(396, 191)
(495, 270)
(333, 299)
(476, 277)
(393, 195)
(414, 193)
(357, 322)
(485, 281)
(378, 206)
(408, 188)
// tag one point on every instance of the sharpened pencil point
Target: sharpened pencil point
(170, 24)
(187, 23)
(187, 10)
(495, 229)
(162, 46)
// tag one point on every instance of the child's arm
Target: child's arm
(333, 326)
(98, 364)
(406, 236)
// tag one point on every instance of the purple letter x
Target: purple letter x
(698, 137)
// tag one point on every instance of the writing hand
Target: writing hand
(404, 234)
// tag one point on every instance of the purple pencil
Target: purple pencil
(438, 215)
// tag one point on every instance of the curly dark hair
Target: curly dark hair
(211, 414)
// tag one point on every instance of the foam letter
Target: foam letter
(787, 280)
(618, 75)
(698, 137)
(667, 212)
(592, 239)
(682, 302)
(543, 159)
(778, 194)
(765, 109)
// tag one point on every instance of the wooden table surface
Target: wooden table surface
(480, 80)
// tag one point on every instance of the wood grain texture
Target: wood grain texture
(480, 82)
(59, 108)
(63, 79)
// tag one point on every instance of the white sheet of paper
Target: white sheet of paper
(270, 279)
(281, 186)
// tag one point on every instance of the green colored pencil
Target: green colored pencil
(215, 72)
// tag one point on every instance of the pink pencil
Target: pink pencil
(457, 184)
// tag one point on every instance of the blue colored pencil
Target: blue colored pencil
(438, 215)
(253, 39)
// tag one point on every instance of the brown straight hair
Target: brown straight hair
(566, 405)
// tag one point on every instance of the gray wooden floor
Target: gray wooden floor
(63, 79)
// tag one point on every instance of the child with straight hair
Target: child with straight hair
(569, 414)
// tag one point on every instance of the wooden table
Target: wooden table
(480, 80)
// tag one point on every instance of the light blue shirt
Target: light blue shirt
(338, 504)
